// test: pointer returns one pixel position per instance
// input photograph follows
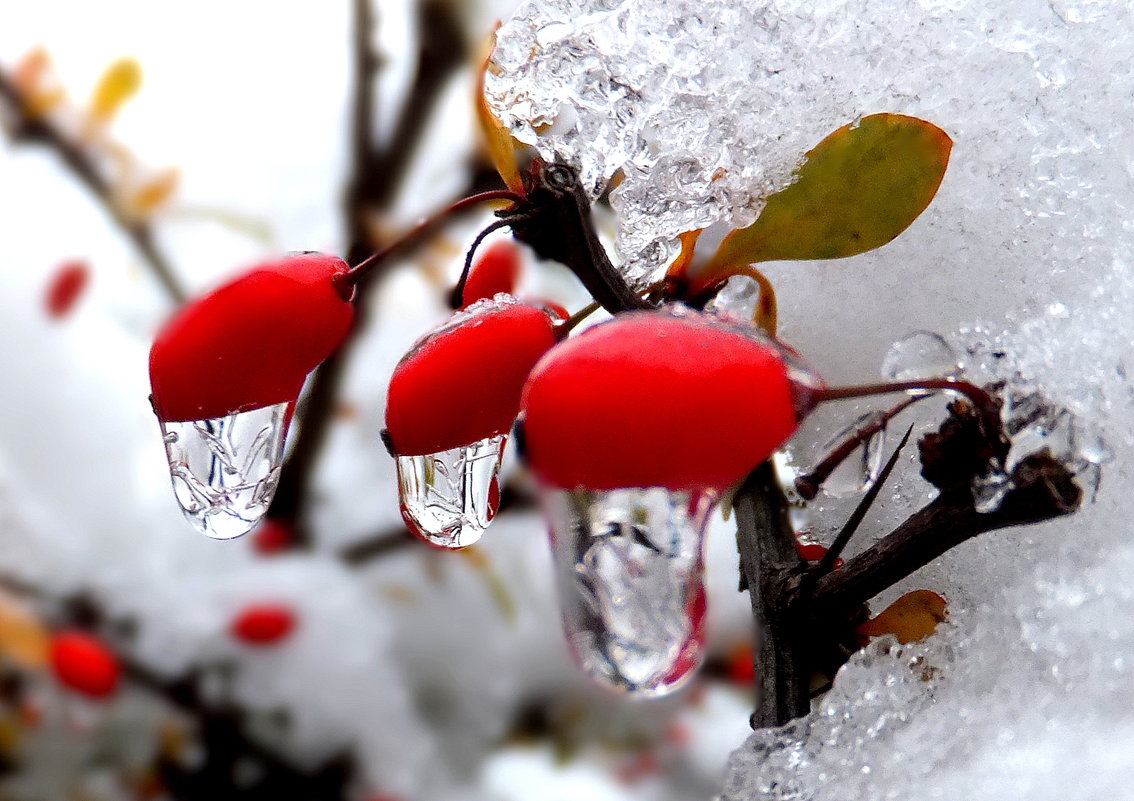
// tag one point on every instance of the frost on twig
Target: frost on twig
(804, 620)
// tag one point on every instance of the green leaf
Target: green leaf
(857, 189)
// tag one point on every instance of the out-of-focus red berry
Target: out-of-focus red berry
(263, 624)
(84, 664)
(272, 536)
(496, 270)
(66, 287)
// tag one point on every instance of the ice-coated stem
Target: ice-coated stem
(808, 485)
(987, 408)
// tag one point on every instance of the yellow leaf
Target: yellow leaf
(501, 146)
(912, 617)
(119, 83)
(856, 190)
(154, 193)
(23, 638)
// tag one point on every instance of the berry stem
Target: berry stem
(808, 485)
(555, 221)
(565, 327)
(986, 407)
(456, 297)
(350, 279)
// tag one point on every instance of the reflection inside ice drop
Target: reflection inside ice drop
(225, 469)
(449, 498)
(858, 472)
(629, 576)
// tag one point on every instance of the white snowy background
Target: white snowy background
(1025, 249)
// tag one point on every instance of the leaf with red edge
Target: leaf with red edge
(496, 270)
(66, 287)
(856, 190)
(912, 617)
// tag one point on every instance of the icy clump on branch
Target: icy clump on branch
(1029, 234)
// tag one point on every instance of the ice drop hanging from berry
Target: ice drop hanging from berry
(225, 373)
(451, 404)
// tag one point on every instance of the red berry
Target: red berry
(82, 663)
(263, 624)
(741, 665)
(252, 342)
(461, 383)
(272, 536)
(67, 284)
(814, 552)
(497, 270)
(676, 400)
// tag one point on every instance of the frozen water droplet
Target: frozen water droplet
(737, 298)
(858, 472)
(629, 574)
(225, 469)
(449, 498)
(989, 491)
(922, 354)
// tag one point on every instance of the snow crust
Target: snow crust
(1022, 262)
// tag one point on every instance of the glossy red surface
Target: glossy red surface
(251, 342)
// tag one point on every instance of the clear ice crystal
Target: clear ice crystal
(922, 354)
(225, 469)
(629, 574)
(860, 469)
(449, 498)
(737, 298)
(1034, 423)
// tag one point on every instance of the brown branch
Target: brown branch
(769, 560)
(32, 128)
(1044, 489)
(377, 175)
(804, 616)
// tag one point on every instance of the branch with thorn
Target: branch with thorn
(803, 614)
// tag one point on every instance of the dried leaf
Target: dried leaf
(857, 190)
(501, 146)
(23, 638)
(119, 83)
(155, 192)
(912, 617)
(35, 80)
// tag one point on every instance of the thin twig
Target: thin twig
(827, 563)
(377, 175)
(32, 128)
